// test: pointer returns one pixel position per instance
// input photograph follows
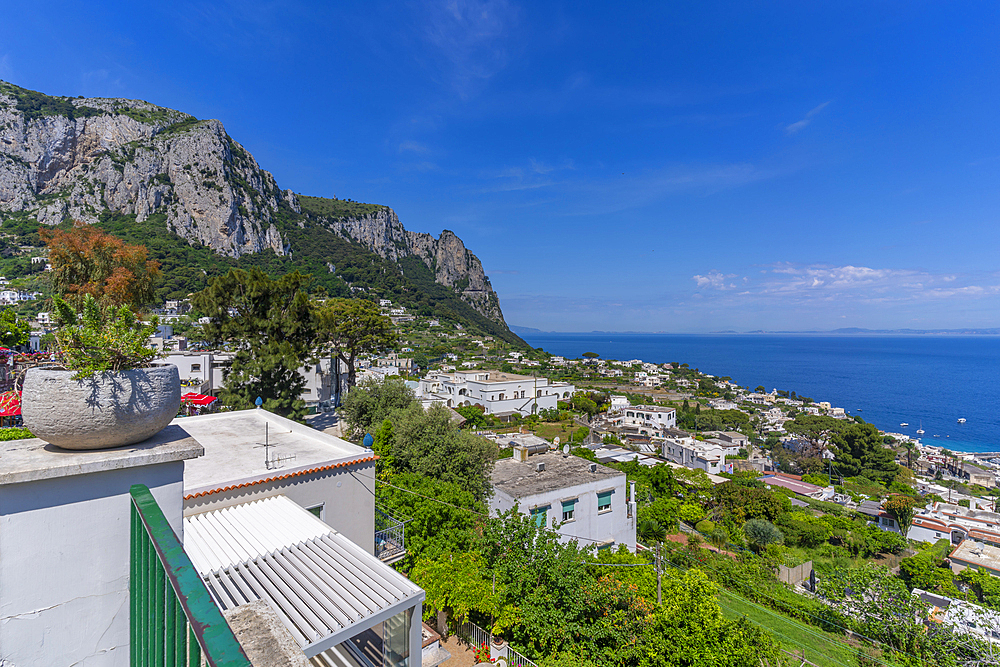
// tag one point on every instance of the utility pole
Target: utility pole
(659, 594)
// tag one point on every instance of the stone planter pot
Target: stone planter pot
(107, 410)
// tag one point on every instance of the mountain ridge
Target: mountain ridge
(109, 160)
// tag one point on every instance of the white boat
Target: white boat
(904, 424)
(920, 431)
(961, 420)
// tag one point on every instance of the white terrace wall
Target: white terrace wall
(64, 545)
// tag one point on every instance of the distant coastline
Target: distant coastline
(847, 331)
(888, 380)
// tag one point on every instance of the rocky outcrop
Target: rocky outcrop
(77, 158)
(132, 157)
(447, 257)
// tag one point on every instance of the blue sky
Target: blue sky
(677, 167)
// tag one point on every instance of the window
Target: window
(195, 368)
(539, 515)
(605, 546)
(604, 502)
(569, 507)
(317, 511)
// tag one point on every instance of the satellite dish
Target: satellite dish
(565, 449)
(556, 440)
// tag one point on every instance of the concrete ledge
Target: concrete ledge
(34, 459)
(264, 639)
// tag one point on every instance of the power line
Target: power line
(823, 620)
(465, 509)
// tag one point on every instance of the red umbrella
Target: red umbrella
(10, 404)
(198, 399)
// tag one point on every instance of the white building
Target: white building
(291, 526)
(496, 392)
(618, 404)
(648, 417)
(201, 372)
(576, 498)
(708, 455)
(204, 372)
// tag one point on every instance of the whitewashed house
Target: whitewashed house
(496, 392)
(576, 498)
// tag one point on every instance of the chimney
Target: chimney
(539, 467)
(520, 453)
(593, 467)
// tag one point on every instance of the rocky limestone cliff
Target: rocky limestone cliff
(452, 264)
(132, 157)
(78, 157)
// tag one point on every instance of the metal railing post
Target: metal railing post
(173, 620)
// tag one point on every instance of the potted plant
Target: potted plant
(104, 393)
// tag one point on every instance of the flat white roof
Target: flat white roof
(235, 452)
(323, 587)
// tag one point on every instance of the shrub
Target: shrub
(102, 339)
(762, 533)
(705, 526)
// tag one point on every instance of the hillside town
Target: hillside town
(630, 462)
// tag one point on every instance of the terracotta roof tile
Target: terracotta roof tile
(281, 477)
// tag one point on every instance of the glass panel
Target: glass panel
(396, 647)
(539, 515)
(318, 511)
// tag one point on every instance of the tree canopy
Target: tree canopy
(268, 322)
(13, 331)
(860, 451)
(555, 599)
(86, 260)
(353, 327)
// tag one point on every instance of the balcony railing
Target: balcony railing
(390, 537)
(173, 620)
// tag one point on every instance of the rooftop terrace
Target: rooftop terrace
(235, 452)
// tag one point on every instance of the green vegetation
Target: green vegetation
(102, 338)
(336, 209)
(271, 330)
(410, 439)
(554, 599)
(38, 105)
(815, 645)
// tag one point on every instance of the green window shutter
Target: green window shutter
(604, 501)
(539, 515)
(568, 509)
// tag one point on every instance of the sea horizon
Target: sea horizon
(887, 380)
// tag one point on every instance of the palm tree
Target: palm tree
(652, 531)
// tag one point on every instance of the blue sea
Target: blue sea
(926, 380)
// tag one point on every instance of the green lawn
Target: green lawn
(820, 647)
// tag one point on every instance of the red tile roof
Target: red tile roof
(281, 477)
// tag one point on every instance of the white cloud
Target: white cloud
(715, 280)
(795, 284)
(6, 69)
(471, 37)
(798, 125)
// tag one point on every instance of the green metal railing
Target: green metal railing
(173, 620)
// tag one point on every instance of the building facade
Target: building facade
(580, 500)
(495, 391)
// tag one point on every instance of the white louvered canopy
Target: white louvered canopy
(324, 587)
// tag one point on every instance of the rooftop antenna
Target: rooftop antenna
(271, 462)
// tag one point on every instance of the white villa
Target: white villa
(499, 393)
